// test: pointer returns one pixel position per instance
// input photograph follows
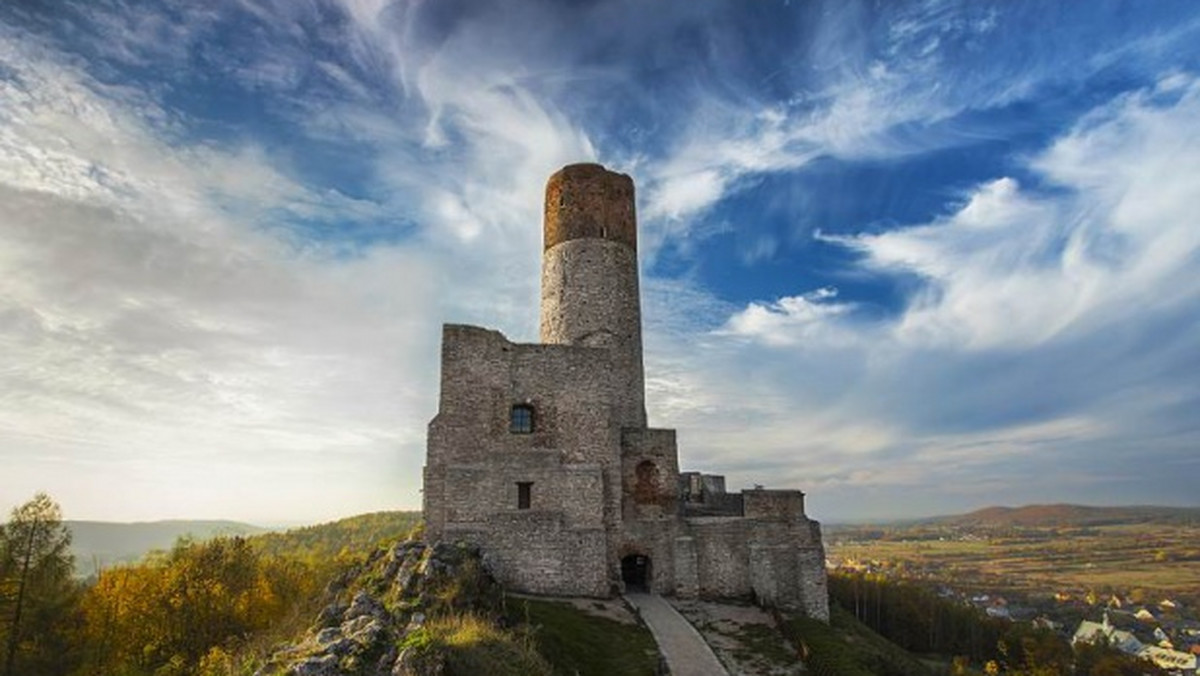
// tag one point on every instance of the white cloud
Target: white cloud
(793, 320)
(1012, 269)
(165, 313)
(1040, 336)
(157, 325)
(165, 316)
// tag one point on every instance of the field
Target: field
(1148, 560)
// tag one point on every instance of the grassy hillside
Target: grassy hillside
(424, 609)
(847, 647)
(578, 643)
(345, 537)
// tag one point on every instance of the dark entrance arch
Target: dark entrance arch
(635, 572)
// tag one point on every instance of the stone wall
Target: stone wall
(697, 487)
(590, 298)
(782, 505)
(570, 388)
(650, 501)
(813, 581)
(722, 557)
(704, 495)
(720, 504)
(561, 541)
(575, 492)
(776, 562)
(649, 471)
(686, 568)
(533, 551)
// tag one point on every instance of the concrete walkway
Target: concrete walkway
(681, 645)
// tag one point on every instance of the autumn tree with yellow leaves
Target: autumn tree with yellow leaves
(190, 608)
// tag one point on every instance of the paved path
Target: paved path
(681, 646)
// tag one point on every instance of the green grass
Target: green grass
(846, 647)
(473, 645)
(576, 642)
(762, 644)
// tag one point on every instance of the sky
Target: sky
(911, 258)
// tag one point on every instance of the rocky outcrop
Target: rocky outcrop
(372, 624)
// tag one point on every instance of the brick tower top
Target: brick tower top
(589, 201)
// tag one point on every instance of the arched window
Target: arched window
(520, 421)
(646, 490)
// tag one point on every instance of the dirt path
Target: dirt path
(681, 645)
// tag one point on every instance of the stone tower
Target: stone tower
(590, 274)
(540, 453)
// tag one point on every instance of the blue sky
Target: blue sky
(909, 257)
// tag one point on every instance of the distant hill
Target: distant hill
(1030, 516)
(1063, 515)
(104, 543)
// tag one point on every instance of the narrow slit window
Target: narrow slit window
(524, 494)
(520, 421)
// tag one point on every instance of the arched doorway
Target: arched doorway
(635, 572)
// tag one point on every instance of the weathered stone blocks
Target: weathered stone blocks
(559, 503)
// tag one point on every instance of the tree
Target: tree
(192, 609)
(36, 589)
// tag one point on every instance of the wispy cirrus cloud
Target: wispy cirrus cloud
(158, 321)
(1047, 320)
(243, 222)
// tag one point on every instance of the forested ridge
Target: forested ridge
(344, 538)
(200, 608)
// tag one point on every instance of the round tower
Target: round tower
(590, 274)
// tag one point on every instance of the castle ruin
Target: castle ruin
(541, 455)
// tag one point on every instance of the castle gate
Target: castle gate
(636, 572)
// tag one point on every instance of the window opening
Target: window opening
(524, 494)
(520, 421)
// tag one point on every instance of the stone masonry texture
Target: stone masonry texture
(589, 500)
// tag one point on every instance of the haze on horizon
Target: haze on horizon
(912, 258)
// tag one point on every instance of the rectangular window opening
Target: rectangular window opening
(524, 494)
(521, 419)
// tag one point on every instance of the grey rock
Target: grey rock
(328, 635)
(416, 622)
(364, 630)
(409, 663)
(330, 615)
(325, 665)
(384, 666)
(364, 605)
(342, 647)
